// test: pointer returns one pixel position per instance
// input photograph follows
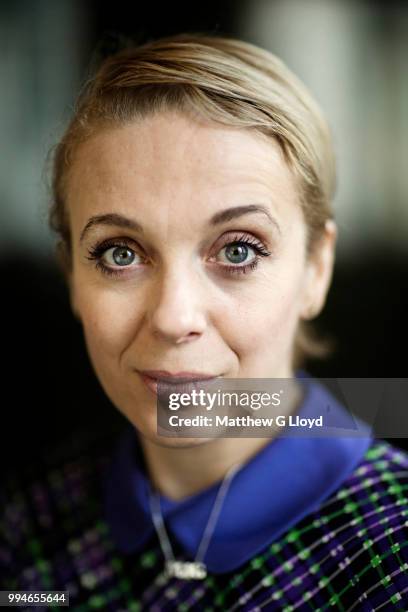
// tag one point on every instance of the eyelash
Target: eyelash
(96, 253)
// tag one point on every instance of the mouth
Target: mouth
(180, 382)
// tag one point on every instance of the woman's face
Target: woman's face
(188, 255)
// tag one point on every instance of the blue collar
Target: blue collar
(274, 490)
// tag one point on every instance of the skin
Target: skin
(175, 307)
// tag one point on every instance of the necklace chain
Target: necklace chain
(197, 568)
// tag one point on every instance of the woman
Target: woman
(192, 200)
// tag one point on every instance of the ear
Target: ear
(65, 265)
(319, 271)
(72, 299)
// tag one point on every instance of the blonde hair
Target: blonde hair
(227, 81)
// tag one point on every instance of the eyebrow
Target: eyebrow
(220, 217)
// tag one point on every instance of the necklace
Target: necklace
(196, 570)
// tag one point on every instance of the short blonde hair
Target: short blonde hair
(227, 81)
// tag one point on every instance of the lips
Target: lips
(181, 382)
(170, 377)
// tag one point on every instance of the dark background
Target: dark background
(49, 388)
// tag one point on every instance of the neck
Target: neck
(178, 472)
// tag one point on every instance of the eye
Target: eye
(119, 256)
(241, 254)
(112, 257)
(238, 256)
(237, 253)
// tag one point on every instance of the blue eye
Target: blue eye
(120, 255)
(238, 256)
(111, 256)
(237, 252)
(241, 254)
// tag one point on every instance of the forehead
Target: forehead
(171, 160)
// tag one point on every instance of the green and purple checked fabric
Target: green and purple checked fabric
(350, 553)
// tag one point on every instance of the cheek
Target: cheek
(265, 319)
(109, 319)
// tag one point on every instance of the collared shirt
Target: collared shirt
(348, 552)
(271, 492)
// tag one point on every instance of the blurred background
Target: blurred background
(353, 57)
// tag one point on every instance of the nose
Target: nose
(177, 309)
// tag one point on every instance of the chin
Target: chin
(173, 442)
(148, 429)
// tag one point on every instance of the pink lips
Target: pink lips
(179, 381)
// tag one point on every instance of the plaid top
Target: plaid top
(350, 553)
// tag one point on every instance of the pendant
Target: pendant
(189, 570)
